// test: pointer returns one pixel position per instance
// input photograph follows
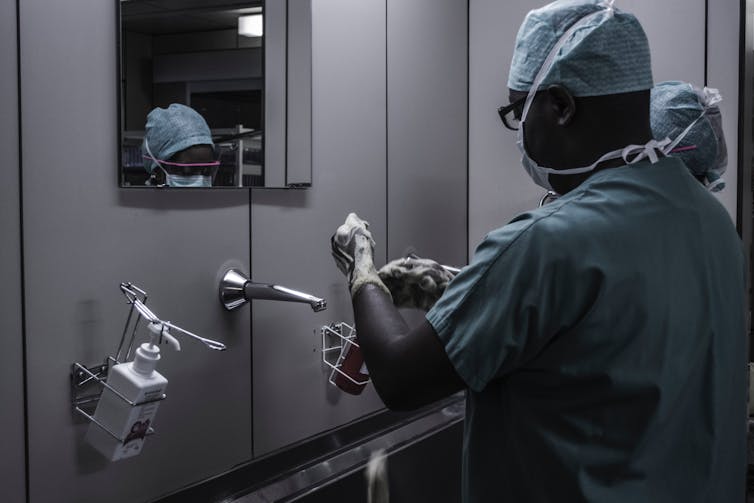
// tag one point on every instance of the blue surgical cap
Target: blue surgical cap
(607, 55)
(170, 130)
(674, 106)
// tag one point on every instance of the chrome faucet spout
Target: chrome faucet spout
(236, 289)
(264, 291)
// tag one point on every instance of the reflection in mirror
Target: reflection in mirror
(192, 85)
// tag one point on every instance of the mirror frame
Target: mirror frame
(287, 97)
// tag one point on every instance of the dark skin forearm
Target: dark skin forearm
(408, 367)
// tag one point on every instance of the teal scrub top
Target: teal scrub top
(602, 339)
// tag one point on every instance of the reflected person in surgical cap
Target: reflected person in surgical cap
(691, 118)
(178, 150)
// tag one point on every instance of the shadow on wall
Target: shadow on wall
(198, 199)
(188, 199)
(284, 198)
(89, 318)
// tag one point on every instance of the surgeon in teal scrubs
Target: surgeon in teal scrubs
(600, 338)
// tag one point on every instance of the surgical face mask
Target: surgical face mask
(188, 180)
(540, 174)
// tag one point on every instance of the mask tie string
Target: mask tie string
(646, 151)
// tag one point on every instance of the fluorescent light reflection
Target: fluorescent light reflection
(250, 26)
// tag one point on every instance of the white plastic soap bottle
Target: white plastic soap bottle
(139, 382)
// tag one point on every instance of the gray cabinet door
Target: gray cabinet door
(427, 128)
(82, 236)
(12, 456)
(389, 142)
(499, 188)
(290, 245)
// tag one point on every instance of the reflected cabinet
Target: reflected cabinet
(214, 93)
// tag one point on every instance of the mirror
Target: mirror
(195, 71)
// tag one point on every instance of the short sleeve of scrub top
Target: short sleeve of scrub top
(519, 291)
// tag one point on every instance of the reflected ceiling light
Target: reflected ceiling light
(250, 26)
(247, 10)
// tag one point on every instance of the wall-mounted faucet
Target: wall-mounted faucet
(236, 289)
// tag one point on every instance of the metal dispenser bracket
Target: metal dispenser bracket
(337, 338)
(84, 394)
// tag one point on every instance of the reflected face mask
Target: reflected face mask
(188, 180)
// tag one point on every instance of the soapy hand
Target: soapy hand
(352, 249)
(343, 242)
(415, 282)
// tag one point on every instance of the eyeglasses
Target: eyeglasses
(186, 168)
(511, 114)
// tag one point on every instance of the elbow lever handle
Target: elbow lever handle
(236, 289)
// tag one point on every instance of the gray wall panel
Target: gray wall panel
(12, 456)
(498, 187)
(675, 30)
(427, 118)
(291, 229)
(722, 73)
(82, 236)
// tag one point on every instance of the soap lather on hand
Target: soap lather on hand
(415, 282)
(411, 281)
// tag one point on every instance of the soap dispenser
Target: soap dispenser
(138, 382)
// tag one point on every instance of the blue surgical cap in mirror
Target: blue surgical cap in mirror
(170, 130)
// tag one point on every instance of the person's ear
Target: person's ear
(563, 104)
